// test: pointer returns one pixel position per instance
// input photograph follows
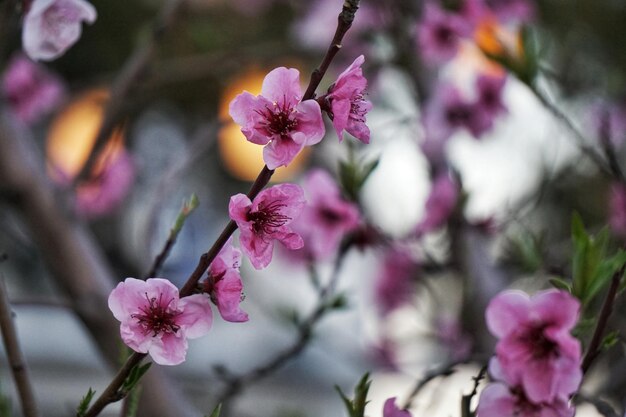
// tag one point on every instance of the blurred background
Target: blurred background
(517, 184)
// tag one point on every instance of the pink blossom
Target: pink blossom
(266, 219)
(347, 105)
(535, 349)
(327, 217)
(519, 11)
(155, 321)
(439, 33)
(451, 335)
(609, 122)
(395, 284)
(107, 191)
(489, 102)
(277, 118)
(440, 204)
(224, 284)
(498, 400)
(31, 90)
(617, 209)
(390, 409)
(52, 26)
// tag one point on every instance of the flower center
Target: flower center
(356, 111)
(444, 34)
(267, 218)
(279, 119)
(458, 115)
(157, 317)
(542, 347)
(523, 407)
(329, 216)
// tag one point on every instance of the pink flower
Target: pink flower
(155, 321)
(617, 209)
(347, 105)
(107, 191)
(224, 284)
(609, 122)
(395, 284)
(535, 349)
(52, 26)
(521, 11)
(439, 33)
(440, 204)
(277, 118)
(390, 409)
(266, 219)
(327, 217)
(454, 339)
(489, 102)
(31, 90)
(498, 400)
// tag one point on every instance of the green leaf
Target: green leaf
(339, 302)
(356, 407)
(216, 412)
(561, 284)
(135, 376)
(188, 207)
(610, 340)
(83, 406)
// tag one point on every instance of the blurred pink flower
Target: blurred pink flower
(617, 209)
(327, 217)
(224, 284)
(106, 192)
(31, 90)
(498, 400)
(395, 284)
(535, 349)
(440, 204)
(516, 11)
(52, 26)
(155, 321)
(439, 33)
(266, 219)
(277, 118)
(609, 122)
(347, 105)
(454, 339)
(489, 102)
(390, 409)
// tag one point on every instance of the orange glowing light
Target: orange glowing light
(496, 40)
(244, 159)
(73, 133)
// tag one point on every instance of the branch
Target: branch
(238, 384)
(595, 345)
(15, 356)
(131, 75)
(344, 22)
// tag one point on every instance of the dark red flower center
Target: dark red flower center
(330, 216)
(157, 317)
(542, 347)
(444, 34)
(267, 218)
(459, 114)
(278, 119)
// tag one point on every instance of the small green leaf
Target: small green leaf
(135, 376)
(356, 407)
(216, 412)
(188, 207)
(610, 340)
(561, 284)
(83, 406)
(339, 302)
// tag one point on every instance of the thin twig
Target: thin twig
(607, 308)
(466, 400)
(15, 356)
(236, 385)
(130, 76)
(111, 393)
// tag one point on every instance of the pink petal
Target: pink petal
(390, 409)
(496, 401)
(171, 349)
(556, 307)
(310, 129)
(282, 84)
(341, 112)
(280, 152)
(238, 208)
(291, 241)
(259, 251)
(506, 312)
(196, 317)
(228, 292)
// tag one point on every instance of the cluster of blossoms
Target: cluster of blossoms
(537, 362)
(153, 318)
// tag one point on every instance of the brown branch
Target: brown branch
(595, 346)
(15, 356)
(72, 256)
(132, 73)
(344, 22)
(236, 385)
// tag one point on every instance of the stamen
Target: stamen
(268, 218)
